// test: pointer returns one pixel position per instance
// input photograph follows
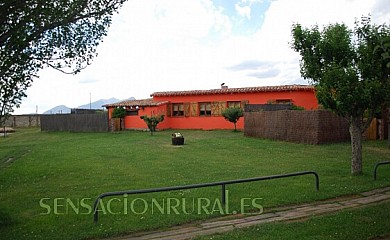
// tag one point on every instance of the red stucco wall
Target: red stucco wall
(135, 122)
(305, 99)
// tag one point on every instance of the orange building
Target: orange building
(202, 109)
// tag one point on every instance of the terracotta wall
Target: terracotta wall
(305, 99)
(182, 122)
(135, 122)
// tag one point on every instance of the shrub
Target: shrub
(233, 115)
(119, 112)
(295, 107)
(152, 121)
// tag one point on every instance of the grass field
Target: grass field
(356, 224)
(42, 171)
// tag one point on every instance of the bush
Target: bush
(295, 107)
(119, 112)
(152, 121)
(233, 115)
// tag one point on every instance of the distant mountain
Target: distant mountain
(62, 109)
(99, 103)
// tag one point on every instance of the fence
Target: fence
(75, 122)
(201, 185)
(85, 111)
(312, 127)
(372, 131)
(377, 165)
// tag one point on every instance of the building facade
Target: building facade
(202, 109)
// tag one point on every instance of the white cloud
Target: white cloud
(271, 42)
(381, 11)
(249, 65)
(160, 45)
(244, 11)
(265, 73)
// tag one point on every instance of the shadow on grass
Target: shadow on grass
(5, 218)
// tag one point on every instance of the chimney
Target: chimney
(223, 86)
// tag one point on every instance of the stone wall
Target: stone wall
(31, 120)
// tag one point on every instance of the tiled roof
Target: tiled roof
(283, 88)
(133, 103)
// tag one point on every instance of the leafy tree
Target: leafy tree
(349, 72)
(59, 34)
(118, 112)
(152, 121)
(383, 48)
(233, 115)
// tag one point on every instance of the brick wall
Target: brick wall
(312, 127)
(33, 120)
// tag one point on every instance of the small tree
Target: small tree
(349, 70)
(233, 115)
(119, 112)
(152, 122)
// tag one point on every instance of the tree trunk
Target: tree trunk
(356, 144)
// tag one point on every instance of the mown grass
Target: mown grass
(75, 166)
(363, 223)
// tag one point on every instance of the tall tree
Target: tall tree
(349, 72)
(35, 34)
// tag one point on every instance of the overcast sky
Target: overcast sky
(165, 45)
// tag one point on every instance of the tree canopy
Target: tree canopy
(350, 69)
(152, 121)
(59, 34)
(233, 115)
(119, 112)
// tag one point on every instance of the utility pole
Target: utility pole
(90, 104)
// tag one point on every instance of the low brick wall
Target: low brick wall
(31, 120)
(312, 127)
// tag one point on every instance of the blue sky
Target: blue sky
(246, 16)
(165, 45)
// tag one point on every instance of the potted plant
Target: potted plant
(177, 139)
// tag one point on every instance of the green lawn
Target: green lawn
(72, 167)
(356, 224)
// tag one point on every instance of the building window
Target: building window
(283, 101)
(177, 109)
(234, 104)
(205, 109)
(132, 112)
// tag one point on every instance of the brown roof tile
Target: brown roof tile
(236, 90)
(133, 103)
